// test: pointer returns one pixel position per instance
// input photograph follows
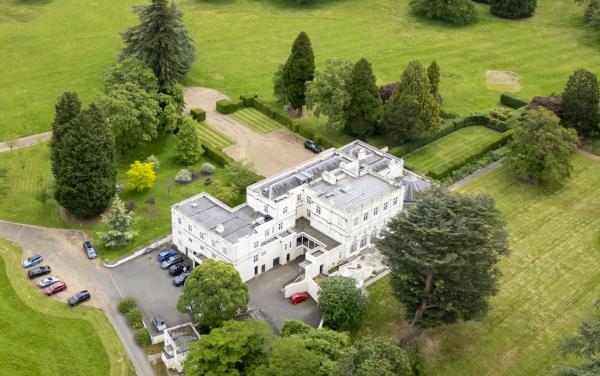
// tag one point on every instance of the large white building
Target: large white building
(324, 210)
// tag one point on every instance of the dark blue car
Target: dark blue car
(164, 255)
(31, 261)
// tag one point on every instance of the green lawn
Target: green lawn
(452, 149)
(43, 337)
(256, 120)
(241, 42)
(549, 282)
(212, 137)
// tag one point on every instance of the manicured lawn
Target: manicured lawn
(549, 282)
(452, 149)
(256, 120)
(43, 337)
(241, 42)
(212, 137)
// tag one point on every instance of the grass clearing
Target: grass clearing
(240, 44)
(43, 337)
(256, 120)
(213, 137)
(549, 282)
(452, 149)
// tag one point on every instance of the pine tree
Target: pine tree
(85, 182)
(120, 222)
(433, 73)
(67, 109)
(299, 69)
(412, 110)
(364, 110)
(579, 108)
(188, 149)
(513, 8)
(161, 41)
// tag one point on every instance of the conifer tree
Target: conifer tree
(299, 69)
(188, 149)
(120, 222)
(433, 73)
(579, 108)
(161, 41)
(67, 108)
(364, 109)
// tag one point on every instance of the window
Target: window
(256, 244)
(308, 200)
(267, 232)
(285, 210)
(363, 242)
(318, 210)
(340, 221)
(365, 217)
(213, 255)
(255, 259)
(376, 211)
(385, 206)
(395, 201)
(179, 220)
(308, 214)
(202, 235)
(179, 232)
(280, 227)
(264, 253)
(215, 244)
(285, 247)
(181, 243)
(225, 251)
(353, 247)
(356, 221)
(266, 209)
(190, 239)
(190, 228)
(299, 198)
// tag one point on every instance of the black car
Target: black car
(312, 146)
(78, 298)
(171, 261)
(177, 269)
(180, 279)
(38, 272)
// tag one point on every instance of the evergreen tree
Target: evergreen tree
(85, 182)
(161, 41)
(433, 73)
(458, 12)
(579, 107)
(120, 222)
(188, 149)
(364, 108)
(513, 8)
(67, 108)
(298, 70)
(412, 110)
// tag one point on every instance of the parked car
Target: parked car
(298, 297)
(55, 288)
(89, 250)
(180, 279)
(177, 269)
(45, 282)
(164, 255)
(159, 323)
(312, 146)
(79, 298)
(31, 261)
(171, 261)
(38, 271)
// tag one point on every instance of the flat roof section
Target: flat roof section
(349, 192)
(303, 225)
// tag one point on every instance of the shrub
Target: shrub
(125, 305)
(386, 91)
(198, 114)
(130, 205)
(226, 107)
(142, 337)
(248, 99)
(458, 12)
(208, 168)
(550, 103)
(513, 101)
(140, 176)
(512, 9)
(134, 318)
(216, 155)
(183, 176)
(154, 161)
(151, 200)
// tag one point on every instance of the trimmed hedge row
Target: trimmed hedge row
(198, 114)
(227, 107)
(216, 155)
(513, 101)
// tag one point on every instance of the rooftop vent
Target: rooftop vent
(194, 205)
(220, 228)
(329, 177)
(346, 189)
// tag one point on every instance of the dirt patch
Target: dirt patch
(65, 215)
(507, 358)
(502, 81)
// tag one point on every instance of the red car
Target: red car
(298, 297)
(55, 288)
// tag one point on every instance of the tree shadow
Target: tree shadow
(31, 2)
(310, 5)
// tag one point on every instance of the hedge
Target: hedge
(248, 99)
(198, 114)
(409, 147)
(227, 107)
(142, 337)
(134, 318)
(216, 155)
(126, 305)
(513, 101)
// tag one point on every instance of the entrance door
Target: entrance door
(287, 258)
(262, 268)
(321, 269)
(256, 270)
(276, 262)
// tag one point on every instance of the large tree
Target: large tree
(443, 254)
(235, 348)
(298, 70)
(161, 41)
(412, 110)
(85, 183)
(364, 107)
(66, 109)
(513, 8)
(341, 302)
(542, 147)
(213, 293)
(327, 94)
(433, 73)
(579, 106)
(374, 357)
(188, 149)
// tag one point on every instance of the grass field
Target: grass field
(213, 137)
(241, 42)
(43, 337)
(452, 149)
(549, 282)
(256, 120)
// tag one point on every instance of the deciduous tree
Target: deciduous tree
(341, 302)
(120, 222)
(374, 357)
(298, 70)
(189, 149)
(242, 173)
(364, 108)
(579, 108)
(140, 176)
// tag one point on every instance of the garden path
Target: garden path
(24, 141)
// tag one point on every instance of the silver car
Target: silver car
(159, 323)
(48, 281)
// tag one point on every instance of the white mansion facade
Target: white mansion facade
(324, 210)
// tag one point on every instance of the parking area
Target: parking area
(143, 280)
(266, 296)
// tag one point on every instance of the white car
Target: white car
(48, 281)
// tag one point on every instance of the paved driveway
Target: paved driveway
(266, 295)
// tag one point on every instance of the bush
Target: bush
(130, 205)
(458, 12)
(228, 107)
(208, 168)
(512, 9)
(134, 318)
(154, 161)
(248, 99)
(183, 176)
(142, 337)
(125, 305)
(151, 200)
(513, 101)
(550, 103)
(140, 176)
(198, 114)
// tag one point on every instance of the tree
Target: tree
(66, 110)
(433, 73)
(513, 8)
(341, 302)
(291, 327)
(140, 176)
(235, 348)
(579, 108)
(458, 12)
(133, 71)
(188, 150)
(161, 41)
(242, 173)
(279, 86)
(364, 107)
(120, 222)
(374, 357)
(542, 147)
(299, 69)
(213, 293)
(327, 94)
(85, 182)
(412, 110)
(432, 249)
(551, 103)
